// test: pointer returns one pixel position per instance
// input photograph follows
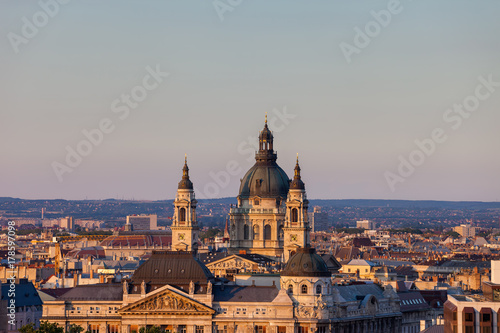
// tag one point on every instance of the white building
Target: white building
(366, 224)
(141, 222)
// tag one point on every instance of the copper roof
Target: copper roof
(306, 263)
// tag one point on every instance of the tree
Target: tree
(45, 327)
(28, 328)
(211, 233)
(73, 328)
(152, 329)
(453, 234)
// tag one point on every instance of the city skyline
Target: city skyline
(352, 105)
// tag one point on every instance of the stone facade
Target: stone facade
(268, 202)
(185, 225)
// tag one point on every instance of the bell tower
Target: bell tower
(296, 230)
(184, 224)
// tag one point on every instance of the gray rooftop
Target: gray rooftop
(359, 291)
(98, 292)
(245, 294)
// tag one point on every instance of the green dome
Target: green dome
(306, 263)
(266, 180)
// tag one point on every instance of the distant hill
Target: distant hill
(315, 202)
(213, 212)
(428, 204)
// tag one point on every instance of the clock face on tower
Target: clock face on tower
(293, 238)
(181, 236)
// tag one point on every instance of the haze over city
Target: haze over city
(351, 106)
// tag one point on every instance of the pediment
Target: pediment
(231, 261)
(167, 301)
(182, 200)
(181, 246)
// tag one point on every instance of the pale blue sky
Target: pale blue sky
(352, 120)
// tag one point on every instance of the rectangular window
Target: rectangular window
(94, 328)
(260, 329)
(469, 317)
(486, 317)
(199, 329)
(220, 329)
(112, 328)
(181, 329)
(281, 329)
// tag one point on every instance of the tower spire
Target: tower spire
(184, 225)
(297, 182)
(185, 182)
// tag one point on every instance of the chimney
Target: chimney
(101, 278)
(91, 273)
(75, 279)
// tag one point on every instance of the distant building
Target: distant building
(66, 223)
(465, 230)
(91, 224)
(318, 220)
(141, 222)
(366, 224)
(359, 267)
(27, 221)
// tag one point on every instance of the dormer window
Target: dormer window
(256, 201)
(318, 289)
(303, 289)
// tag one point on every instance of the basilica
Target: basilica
(271, 215)
(175, 291)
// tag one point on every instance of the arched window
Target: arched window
(182, 214)
(295, 215)
(256, 202)
(303, 289)
(246, 232)
(290, 289)
(267, 232)
(256, 232)
(318, 289)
